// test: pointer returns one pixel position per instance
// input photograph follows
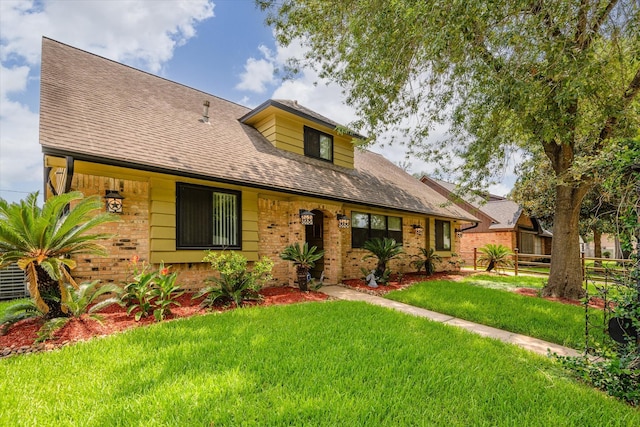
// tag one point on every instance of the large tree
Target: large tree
(507, 75)
(534, 190)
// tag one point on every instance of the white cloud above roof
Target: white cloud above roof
(140, 33)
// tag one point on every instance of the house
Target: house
(198, 172)
(502, 221)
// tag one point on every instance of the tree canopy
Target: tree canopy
(560, 77)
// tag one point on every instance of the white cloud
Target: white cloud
(13, 79)
(20, 156)
(137, 32)
(258, 73)
(140, 33)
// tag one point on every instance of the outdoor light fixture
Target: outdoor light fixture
(343, 221)
(113, 201)
(306, 217)
(458, 233)
(418, 229)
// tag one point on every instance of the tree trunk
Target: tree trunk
(50, 294)
(491, 265)
(302, 277)
(597, 245)
(565, 277)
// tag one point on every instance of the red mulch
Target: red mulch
(408, 279)
(531, 292)
(115, 319)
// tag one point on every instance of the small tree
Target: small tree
(384, 250)
(427, 259)
(41, 242)
(495, 256)
(304, 258)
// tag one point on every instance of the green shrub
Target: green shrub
(151, 292)
(495, 256)
(80, 300)
(427, 259)
(384, 250)
(304, 258)
(236, 282)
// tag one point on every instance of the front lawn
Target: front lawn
(320, 364)
(485, 299)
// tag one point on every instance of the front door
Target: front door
(314, 237)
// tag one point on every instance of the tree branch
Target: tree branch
(629, 94)
(582, 22)
(595, 27)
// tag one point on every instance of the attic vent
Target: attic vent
(205, 112)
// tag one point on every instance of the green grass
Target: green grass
(483, 299)
(321, 364)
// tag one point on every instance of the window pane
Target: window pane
(325, 147)
(225, 221)
(207, 218)
(446, 236)
(378, 222)
(443, 235)
(318, 144)
(359, 220)
(359, 236)
(395, 235)
(194, 217)
(395, 223)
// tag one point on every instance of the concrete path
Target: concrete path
(532, 344)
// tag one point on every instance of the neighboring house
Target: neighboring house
(609, 244)
(502, 221)
(198, 172)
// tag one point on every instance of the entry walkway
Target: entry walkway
(528, 343)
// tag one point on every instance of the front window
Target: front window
(369, 226)
(443, 235)
(207, 218)
(318, 144)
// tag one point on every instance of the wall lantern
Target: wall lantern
(306, 217)
(343, 221)
(459, 234)
(113, 201)
(418, 229)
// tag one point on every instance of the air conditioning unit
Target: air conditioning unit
(13, 283)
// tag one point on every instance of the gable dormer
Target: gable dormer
(294, 128)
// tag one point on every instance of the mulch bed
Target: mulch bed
(408, 279)
(594, 302)
(20, 338)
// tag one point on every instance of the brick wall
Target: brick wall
(477, 240)
(131, 232)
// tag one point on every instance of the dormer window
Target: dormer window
(318, 144)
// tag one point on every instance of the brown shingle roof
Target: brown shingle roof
(96, 109)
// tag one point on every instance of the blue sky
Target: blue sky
(218, 46)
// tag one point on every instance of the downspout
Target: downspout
(469, 228)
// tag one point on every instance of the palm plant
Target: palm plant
(495, 256)
(83, 299)
(23, 309)
(42, 240)
(384, 250)
(304, 258)
(427, 259)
